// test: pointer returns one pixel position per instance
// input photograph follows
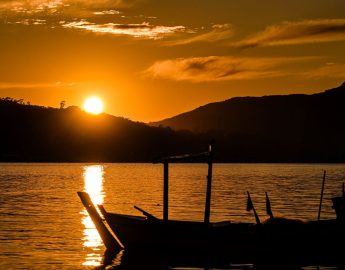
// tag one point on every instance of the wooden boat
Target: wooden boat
(222, 239)
(148, 232)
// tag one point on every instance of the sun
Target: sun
(93, 105)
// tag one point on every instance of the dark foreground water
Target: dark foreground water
(44, 226)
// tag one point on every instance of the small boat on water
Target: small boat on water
(277, 236)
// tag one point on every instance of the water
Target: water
(44, 226)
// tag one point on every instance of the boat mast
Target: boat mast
(209, 186)
(321, 196)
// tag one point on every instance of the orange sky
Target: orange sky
(150, 59)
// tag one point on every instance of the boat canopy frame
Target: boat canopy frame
(204, 157)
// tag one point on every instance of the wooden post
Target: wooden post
(166, 191)
(321, 196)
(250, 206)
(268, 207)
(208, 188)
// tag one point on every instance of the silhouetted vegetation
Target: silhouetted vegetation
(35, 133)
(291, 128)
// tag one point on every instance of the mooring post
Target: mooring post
(209, 187)
(166, 191)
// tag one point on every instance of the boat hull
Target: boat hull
(137, 233)
(277, 236)
(298, 242)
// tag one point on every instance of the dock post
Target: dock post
(209, 187)
(166, 191)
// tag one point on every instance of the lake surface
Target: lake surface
(43, 224)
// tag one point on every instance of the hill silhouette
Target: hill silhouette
(35, 133)
(290, 128)
(286, 128)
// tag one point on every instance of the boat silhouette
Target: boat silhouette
(219, 243)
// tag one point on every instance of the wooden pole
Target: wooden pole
(109, 240)
(268, 207)
(166, 192)
(250, 206)
(209, 187)
(257, 219)
(321, 196)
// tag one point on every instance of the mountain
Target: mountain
(286, 128)
(35, 133)
(290, 128)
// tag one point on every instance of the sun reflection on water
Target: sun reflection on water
(93, 179)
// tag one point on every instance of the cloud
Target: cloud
(329, 70)
(288, 33)
(29, 85)
(29, 22)
(219, 68)
(30, 6)
(63, 8)
(84, 15)
(106, 3)
(107, 12)
(143, 30)
(219, 32)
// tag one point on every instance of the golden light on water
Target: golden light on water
(93, 105)
(93, 179)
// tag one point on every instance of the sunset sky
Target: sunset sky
(152, 59)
